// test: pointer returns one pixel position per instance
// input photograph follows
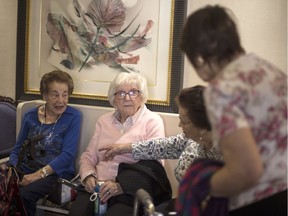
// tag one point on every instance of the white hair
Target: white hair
(128, 78)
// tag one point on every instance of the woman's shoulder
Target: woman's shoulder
(149, 113)
(32, 111)
(72, 111)
(105, 117)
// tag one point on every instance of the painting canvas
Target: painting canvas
(94, 40)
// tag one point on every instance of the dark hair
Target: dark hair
(192, 100)
(210, 33)
(58, 76)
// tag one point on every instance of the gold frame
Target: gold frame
(174, 68)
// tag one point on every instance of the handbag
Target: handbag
(65, 191)
(10, 201)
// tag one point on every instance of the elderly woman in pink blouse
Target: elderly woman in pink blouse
(131, 121)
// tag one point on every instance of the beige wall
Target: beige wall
(8, 29)
(262, 25)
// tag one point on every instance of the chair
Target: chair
(7, 128)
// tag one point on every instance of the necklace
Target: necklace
(51, 131)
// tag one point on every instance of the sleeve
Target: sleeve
(89, 159)
(70, 146)
(161, 148)
(193, 151)
(24, 131)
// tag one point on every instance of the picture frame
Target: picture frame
(32, 49)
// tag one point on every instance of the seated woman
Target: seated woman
(194, 142)
(131, 121)
(55, 154)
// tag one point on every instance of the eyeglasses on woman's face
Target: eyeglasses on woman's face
(55, 96)
(122, 94)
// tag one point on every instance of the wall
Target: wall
(262, 25)
(8, 32)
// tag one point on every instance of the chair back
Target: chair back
(7, 128)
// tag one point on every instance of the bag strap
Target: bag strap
(20, 159)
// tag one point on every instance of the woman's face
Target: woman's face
(56, 98)
(188, 128)
(205, 72)
(128, 106)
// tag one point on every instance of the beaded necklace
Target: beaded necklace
(44, 122)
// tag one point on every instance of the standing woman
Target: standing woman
(246, 100)
(55, 154)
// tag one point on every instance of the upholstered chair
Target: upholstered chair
(7, 128)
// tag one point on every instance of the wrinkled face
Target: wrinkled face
(188, 128)
(131, 101)
(56, 98)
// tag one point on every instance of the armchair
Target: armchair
(7, 128)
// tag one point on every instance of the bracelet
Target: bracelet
(44, 173)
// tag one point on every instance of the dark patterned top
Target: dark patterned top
(173, 147)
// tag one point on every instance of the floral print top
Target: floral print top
(250, 92)
(173, 147)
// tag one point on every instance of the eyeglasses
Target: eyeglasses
(132, 94)
(56, 96)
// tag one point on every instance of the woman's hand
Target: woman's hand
(109, 189)
(29, 178)
(116, 149)
(90, 183)
(3, 167)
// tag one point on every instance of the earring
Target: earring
(200, 138)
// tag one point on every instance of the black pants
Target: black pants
(84, 207)
(274, 205)
(32, 192)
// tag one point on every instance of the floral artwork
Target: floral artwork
(94, 40)
(98, 37)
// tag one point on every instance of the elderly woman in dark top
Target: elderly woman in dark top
(55, 154)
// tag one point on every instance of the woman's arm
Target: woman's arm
(41, 173)
(161, 148)
(243, 165)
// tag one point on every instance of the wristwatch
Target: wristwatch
(44, 172)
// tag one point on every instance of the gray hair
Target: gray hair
(131, 78)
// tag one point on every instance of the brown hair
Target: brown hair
(192, 100)
(210, 33)
(58, 76)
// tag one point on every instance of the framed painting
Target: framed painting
(94, 40)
